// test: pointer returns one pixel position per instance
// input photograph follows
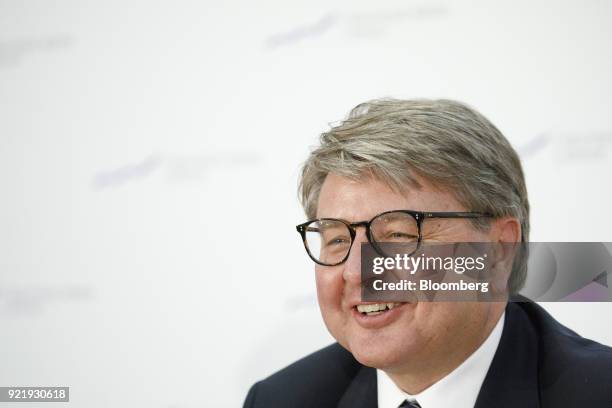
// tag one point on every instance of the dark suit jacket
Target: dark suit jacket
(538, 363)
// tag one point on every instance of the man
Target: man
(431, 157)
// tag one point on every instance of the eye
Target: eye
(339, 240)
(395, 227)
(400, 236)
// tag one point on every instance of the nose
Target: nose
(352, 266)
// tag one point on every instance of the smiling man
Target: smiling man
(446, 173)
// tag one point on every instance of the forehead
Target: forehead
(362, 199)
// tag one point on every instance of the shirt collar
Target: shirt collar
(458, 389)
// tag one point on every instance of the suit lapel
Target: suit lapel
(361, 393)
(512, 379)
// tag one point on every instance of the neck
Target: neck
(420, 374)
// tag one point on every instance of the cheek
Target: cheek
(441, 320)
(330, 290)
(329, 287)
(434, 320)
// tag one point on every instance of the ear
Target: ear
(505, 229)
(505, 236)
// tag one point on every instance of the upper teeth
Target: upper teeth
(375, 307)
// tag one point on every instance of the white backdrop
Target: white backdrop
(149, 155)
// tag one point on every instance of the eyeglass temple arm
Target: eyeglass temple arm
(456, 215)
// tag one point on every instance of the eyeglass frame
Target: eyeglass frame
(419, 217)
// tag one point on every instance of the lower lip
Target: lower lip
(379, 320)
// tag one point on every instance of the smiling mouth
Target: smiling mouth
(375, 308)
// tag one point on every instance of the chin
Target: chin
(380, 354)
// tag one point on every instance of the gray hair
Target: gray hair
(444, 141)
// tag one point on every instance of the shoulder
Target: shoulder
(572, 370)
(317, 380)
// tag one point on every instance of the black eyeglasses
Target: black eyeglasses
(328, 241)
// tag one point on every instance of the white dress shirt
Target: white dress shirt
(459, 389)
